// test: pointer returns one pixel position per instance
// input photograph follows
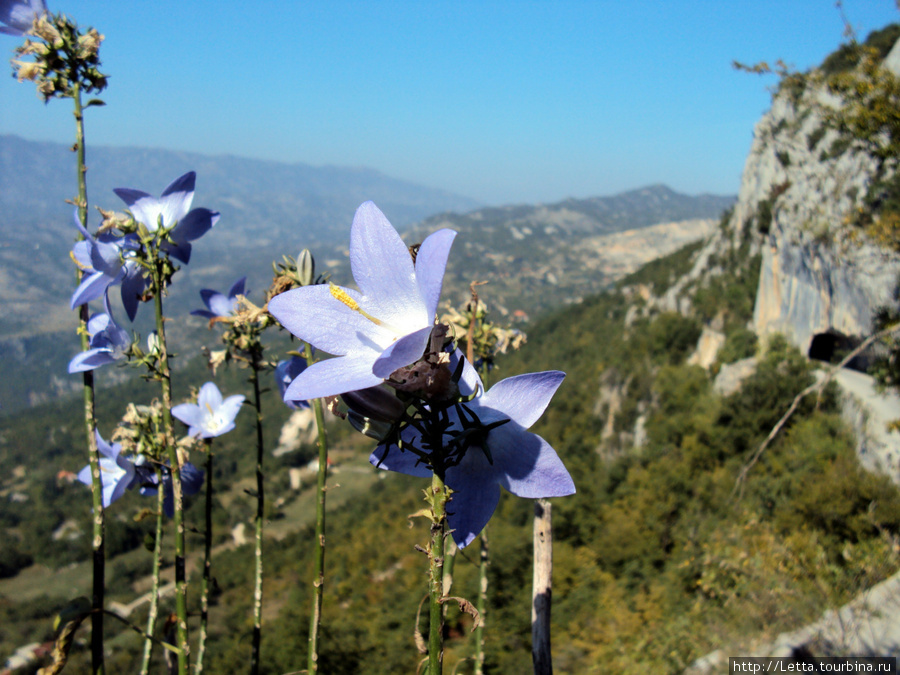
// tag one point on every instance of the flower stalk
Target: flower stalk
(163, 372)
(438, 498)
(260, 517)
(98, 552)
(319, 563)
(207, 561)
(157, 563)
(481, 603)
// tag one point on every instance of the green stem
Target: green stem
(207, 561)
(260, 516)
(438, 499)
(482, 602)
(319, 569)
(98, 553)
(157, 561)
(175, 467)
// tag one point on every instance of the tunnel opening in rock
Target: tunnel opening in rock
(832, 347)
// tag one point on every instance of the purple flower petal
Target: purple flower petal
(431, 260)
(381, 263)
(332, 377)
(170, 208)
(81, 251)
(314, 315)
(524, 397)
(237, 288)
(401, 462)
(91, 359)
(189, 413)
(181, 251)
(470, 509)
(117, 473)
(408, 349)
(195, 224)
(106, 257)
(285, 373)
(133, 286)
(191, 479)
(92, 286)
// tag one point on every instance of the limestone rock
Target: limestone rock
(708, 347)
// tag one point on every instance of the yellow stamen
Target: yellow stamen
(342, 295)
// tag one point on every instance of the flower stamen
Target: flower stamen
(340, 294)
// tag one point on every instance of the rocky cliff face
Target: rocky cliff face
(802, 183)
(820, 280)
(800, 188)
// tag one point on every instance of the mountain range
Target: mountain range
(534, 256)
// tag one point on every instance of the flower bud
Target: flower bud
(306, 268)
(371, 428)
(48, 32)
(89, 44)
(375, 403)
(27, 70)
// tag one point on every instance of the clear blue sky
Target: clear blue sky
(505, 101)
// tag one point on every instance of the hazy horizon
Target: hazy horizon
(503, 102)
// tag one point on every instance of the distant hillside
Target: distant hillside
(539, 257)
(268, 209)
(534, 256)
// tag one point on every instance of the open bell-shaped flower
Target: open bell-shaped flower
(382, 327)
(285, 373)
(171, 211)
(191, 483)
(221, 305)
(488, 445)
(211, 415)
(117, 473)
(107, 261)
(109, 342)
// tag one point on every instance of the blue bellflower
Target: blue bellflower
(508, 455)
(19, 15)
(117, 473)
(285, 373)
(373, 332)
(219, 305)
(109, 342)
(171, 210)
(210, 416)
(191, 483)
(105, 262)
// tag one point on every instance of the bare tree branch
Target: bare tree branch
(816, 387)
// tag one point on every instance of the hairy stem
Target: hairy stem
(175, 463)
(319, 569)
(484, 560)
(260, 515)
(98, 553)
(157, 561)
(207, 562)
(438, 499)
